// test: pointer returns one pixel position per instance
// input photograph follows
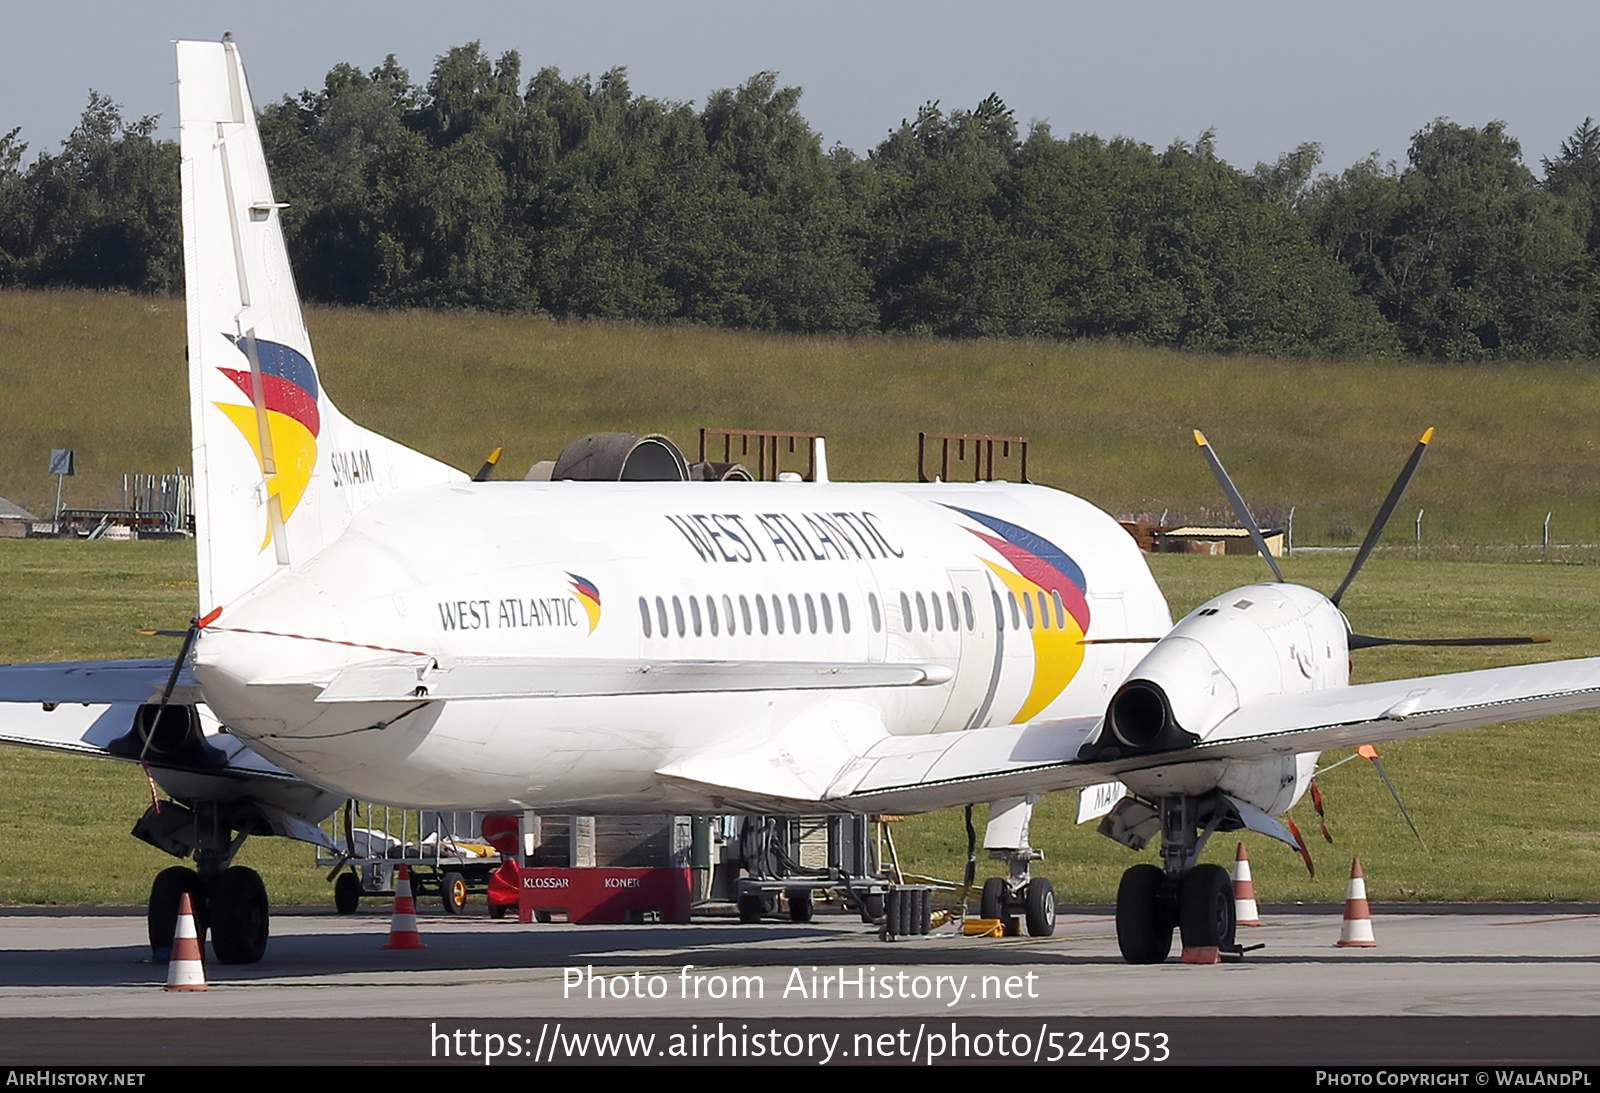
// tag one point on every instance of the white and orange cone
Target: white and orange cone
(1357, 929)
(186, 969)
(403, 924)
(1245, 912)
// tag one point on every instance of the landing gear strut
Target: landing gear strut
(1196, 899)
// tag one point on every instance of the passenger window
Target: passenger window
(877, 618)
(677, 614)
(661, 615)
(727, 614)
(811, 613)
(1044, 611)
(1016, 618)
(922, 613)
(744, 611)
(966, 602)
(844, 613)
(827, 612)
(999, 611)
(711, 614)
(955, 623)
(761, 609)
(905, 612)
(1027, 609)
(938, 613)
(777, 612)
(794, 613)
(1061, 611)
(644, 615)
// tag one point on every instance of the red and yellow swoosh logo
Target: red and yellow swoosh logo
(288, 397)
(589, 596)
(1043, 574)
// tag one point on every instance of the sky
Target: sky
(1357, 77)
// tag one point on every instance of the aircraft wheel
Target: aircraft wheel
(1041, 907)
(347, 894)
(751, 907)
(1144, 931)
(453, 891)
(802, 906)
(872, 907)
(161, 914)
(239, 916)
(992, 904)
(1205, 907)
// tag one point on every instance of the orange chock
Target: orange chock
(403, 923)
(1357, 929)
(186, 967)
(1245, 912)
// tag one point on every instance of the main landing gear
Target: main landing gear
(229, 901)
(1196, 899)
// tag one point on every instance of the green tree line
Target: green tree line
(578, 197)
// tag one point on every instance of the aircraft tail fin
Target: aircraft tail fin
(279, 472)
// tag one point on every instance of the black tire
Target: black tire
(347, 894)
(992, 904)
(497, 911)
(161, 913)
(872, 907)
(453, 893)
(1041, 898)
(544, 916)
(1205, 908)
(239, 916)
(751, 908)
(1144, 928)
(802, 906)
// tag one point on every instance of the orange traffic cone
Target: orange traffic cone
(185, 969)
(403, 924)
(1357, 929)
(1244, 891)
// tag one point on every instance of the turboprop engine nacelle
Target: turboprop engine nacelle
(1256, 641)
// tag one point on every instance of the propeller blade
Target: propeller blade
(1240, 509)
(1305, 851)
(488, 466)
(1370, 752)
(1384, 512)
(164, 633)
(1368, 641)
(1118, 641)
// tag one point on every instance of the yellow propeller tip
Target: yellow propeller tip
(1200, 438)
(1427, 436)
(494, 456)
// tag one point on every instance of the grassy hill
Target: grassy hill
(104, 374)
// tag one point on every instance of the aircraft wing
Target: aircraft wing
(408, 679)
(849, 771)
(97, 708)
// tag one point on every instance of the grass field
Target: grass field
(104, 375)
(1507, 813)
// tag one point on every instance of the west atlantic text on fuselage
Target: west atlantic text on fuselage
(511, 612)
(784, 537)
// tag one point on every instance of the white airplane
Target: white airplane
(374, 624)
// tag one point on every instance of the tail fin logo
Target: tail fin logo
(1051, 587)
(589, 596)
(281, 422)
